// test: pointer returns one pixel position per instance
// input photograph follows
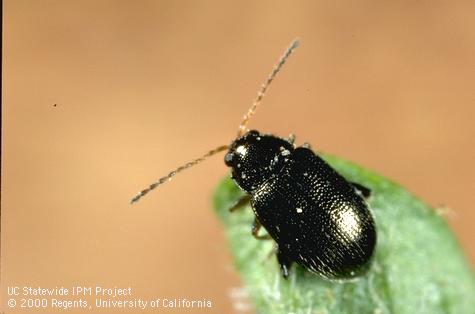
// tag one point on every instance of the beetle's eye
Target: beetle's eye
(228, 159)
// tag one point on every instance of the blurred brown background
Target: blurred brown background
(102, 97)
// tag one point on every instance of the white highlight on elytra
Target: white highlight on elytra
(348, 222)
(299, 210)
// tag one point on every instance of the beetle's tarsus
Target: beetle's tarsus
(284, 263)
(256, 226)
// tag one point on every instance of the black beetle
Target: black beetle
(316, 217)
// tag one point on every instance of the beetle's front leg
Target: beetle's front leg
(240, 203)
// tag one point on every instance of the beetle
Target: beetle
(316, 217)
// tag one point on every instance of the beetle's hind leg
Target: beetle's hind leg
(241, 203)
(285, 262)
(256, 226)
(366, 192)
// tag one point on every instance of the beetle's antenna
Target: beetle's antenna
(169, 176)
(242, 127)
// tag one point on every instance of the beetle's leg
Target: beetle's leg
(291, 139)
(366, 192)
(274, 251)
(240, 203)
(306, 145)
(285, 262)
(256, 226)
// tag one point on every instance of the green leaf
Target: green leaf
(418, 266)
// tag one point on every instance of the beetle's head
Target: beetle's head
(254, 158)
